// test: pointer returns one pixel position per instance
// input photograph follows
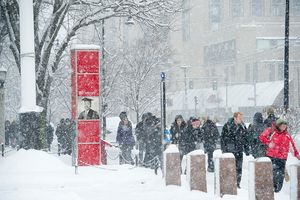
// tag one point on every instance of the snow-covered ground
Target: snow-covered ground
(36, 175)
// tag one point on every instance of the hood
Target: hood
(258, 118)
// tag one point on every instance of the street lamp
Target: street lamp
(185, 67)
(2, 120)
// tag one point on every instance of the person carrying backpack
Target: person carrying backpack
(257, 148)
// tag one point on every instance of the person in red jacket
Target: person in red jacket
(278, 142)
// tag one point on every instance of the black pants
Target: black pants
(239, 166)
(278, 173)
(126, 155)
(210, 160)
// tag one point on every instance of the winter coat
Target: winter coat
(257, 148)
(210, 135)
(153, 139)
(140, 133)
(49, 132)
(270, 121)
(280, 143)
(189, 139)
(234, 138)
(176, 132)
(124, 134)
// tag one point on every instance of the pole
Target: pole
(2, 114)
(286, 58)
(298, 73)
(227, 99)
(254, 87)
(103, 82)
(163, 114)
(185, 92)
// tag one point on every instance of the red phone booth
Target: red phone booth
(86, 103)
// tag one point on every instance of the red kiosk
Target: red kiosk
(85, 104)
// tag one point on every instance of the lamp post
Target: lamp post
(2, 120)
(185, 106)
(286, 58)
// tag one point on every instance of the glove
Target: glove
(271, 145)
(247, 154)
(298, 157)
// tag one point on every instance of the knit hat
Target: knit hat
(279, 122)
(270, 111)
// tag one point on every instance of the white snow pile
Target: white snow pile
(35, 175)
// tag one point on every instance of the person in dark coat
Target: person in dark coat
(7, 132)
(177, 128)
(190, 137)
(125, 139)
(141, 136)
(210, 137)
(270, 121)
(88, 113)
(234, 140)
(49, 132)
(257, 149)
(60, 132)
(153, 140)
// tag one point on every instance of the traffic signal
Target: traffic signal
(196, 100)
(215, 85)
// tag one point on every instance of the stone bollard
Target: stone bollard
(172, 166)
(196, 173)
(261, 179)
(295, 182)
(225, 175)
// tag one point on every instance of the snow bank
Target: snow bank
(32, 161)
(227, 155)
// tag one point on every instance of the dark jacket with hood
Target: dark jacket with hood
(254, 131)
(270, 121)
(210, 135)
(177, 131)
(124, 134)
(189, 139)
(234, 138)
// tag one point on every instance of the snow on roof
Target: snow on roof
(241, 95)
(84, 46)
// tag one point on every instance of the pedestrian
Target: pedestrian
(278, 143)
(270, 121)
(125, 138)
(190, 137)
(257, 149)
(49, 132)
(234, 140)
(177, 128)
(210, 137)
(60, 132)
(141, 136)
(7, 132)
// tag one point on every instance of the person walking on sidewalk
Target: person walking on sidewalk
(278, 143)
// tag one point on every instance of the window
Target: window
(295, 7)
(272, 72)
(255, 72)
(257, 7)
(215, 14)
(186, 33)
(277, 7)
(237, 8)
(247, 73)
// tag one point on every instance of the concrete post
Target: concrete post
(295, 183)
(172, 166)
(225, 175)
(261, 179)
(196, 173)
